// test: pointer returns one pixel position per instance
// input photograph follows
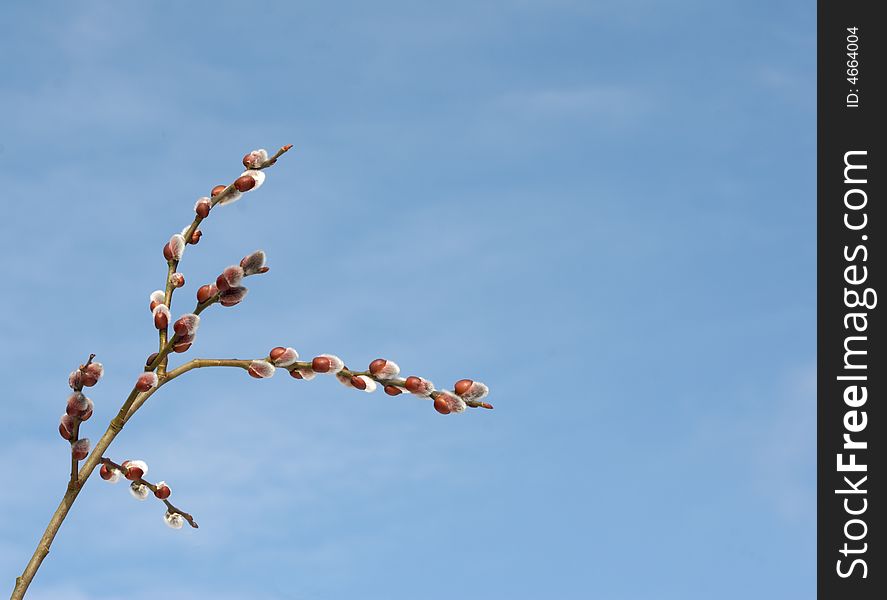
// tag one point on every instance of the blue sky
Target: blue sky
(604, 210)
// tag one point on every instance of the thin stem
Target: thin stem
(153, 487)
(195, 363)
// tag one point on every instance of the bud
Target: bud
(92, 373)
(231, 197)
(233, 296)
(253, 263)
(161, 316)
(283, 357)
(258, 178)
(217, 190)
(471, 391)
(109, 474)
(134, 469)
(244, 183)
(186, 325)
(157, 297)
(362, 382)
(162, 491)
(138, 490)
(77, 402)
(79, 406)
(177, 280)
(66, 427)
(203, 206)
(175, 248)
(393, 390)
(146, 381)
(195, 237)
(418, 386)
(151, 358)
(205, 292)
(255, 158)
(174, 520)
(448, 402)
(87, 413)
(80, 449)
(75, 379)
(462, 386)
(230, 278)
(303, 373)
(384, 369)
(327, 363)
(260, 369)
(182, 343)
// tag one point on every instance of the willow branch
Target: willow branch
(153, 487)
(78, 478)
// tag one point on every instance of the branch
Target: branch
(157, 489)
(78, 478)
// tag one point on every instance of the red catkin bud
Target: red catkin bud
(384, 369)
(186, 325)
(77, 403)
(150, 359)
(254, 263)
(205, 292)
(174, 249)
(393, 390)
(87, 412)
(92, 373)
(358, 383)
(462, 386)
(441, 405)
(230, 278)
(79, 406)
(75, 379)
(202, 208)
(217, 190)
(473, 391)
(105, 473)
(261, 369)
(177, 280)
(195, 236)
(418, 386)
(296, 374)
(255, 158)
(146, 381)
(162, 490)
(157, 297)
(244, 183)
(161, 316)
(449, 400)
(134, 469)
(80, 449)
(183, 343)
(413, 383)
(320, 364)
(283, 357)
(233, 296)
(66, 426)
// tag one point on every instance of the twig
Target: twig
(153, 487)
